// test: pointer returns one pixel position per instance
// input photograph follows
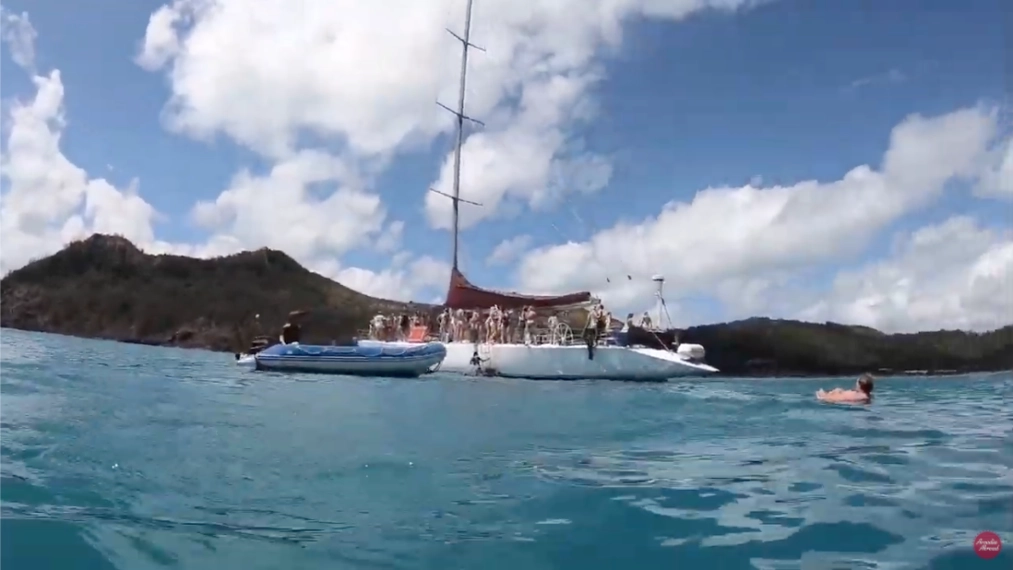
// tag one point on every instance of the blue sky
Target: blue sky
(787, 91)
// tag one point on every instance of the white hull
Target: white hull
(556, 362)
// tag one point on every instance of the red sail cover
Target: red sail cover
(463, 295)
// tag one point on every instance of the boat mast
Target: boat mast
(455, 197)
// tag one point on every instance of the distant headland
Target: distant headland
(105, 287)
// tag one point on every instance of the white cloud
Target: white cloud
(956, 274)
(892, 76)
(48, 200)
(404, 280)
(329, 94)
(509, 249)
(530, 159)
(368, 75)
(741, 240)
(309, 204)
(19, 34)
(160, 41)
(997, 180)
(390, 239)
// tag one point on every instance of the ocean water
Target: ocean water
(133, 457)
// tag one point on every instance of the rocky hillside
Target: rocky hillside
(761, 346)
(104, 287)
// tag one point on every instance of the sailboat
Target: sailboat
(618, 358)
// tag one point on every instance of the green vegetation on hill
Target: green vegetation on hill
(760, 346)
(104, 287)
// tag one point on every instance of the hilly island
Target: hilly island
(105, 287)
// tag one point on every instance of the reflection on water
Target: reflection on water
(118, 456)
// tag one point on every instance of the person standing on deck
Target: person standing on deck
(510, 326)
(603, 322)
(475, 326)
(441, 323)
(504, 330)
(529, 323)
(492, 324)
(405, 325)
(376, 327)
(645, 321)
(553, 326)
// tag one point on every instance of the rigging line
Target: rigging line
(630, 278)
(594, 230)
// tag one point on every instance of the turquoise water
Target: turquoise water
(132, 457)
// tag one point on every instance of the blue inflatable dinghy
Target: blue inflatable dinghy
(368, 358)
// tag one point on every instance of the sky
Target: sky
(836, 160)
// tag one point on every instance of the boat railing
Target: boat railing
(560, 335)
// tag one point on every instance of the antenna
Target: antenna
(461, 117)
(661, 307)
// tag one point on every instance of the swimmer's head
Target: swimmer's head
(864, 383)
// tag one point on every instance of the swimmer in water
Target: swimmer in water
(862, 394)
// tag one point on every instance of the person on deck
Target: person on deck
(504, 326)
(645, 321)
(554, 329)
(376, 327)
(529, 323)
(404, 328)
(291, 331)
(862, 394)
(475, 327)
(602, 322)
(492, 324)
(460, 323)
(444, 321)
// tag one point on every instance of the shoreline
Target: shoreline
(104, 287)
(771, 374)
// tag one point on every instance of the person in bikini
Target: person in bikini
(645, 321)
(504, 327)
(457, 323)
(553, 326)
(492, 324)
(376, 327)
(442, 321)
(862, 393)
(528, 313)
(475, 327)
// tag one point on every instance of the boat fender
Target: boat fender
(692, 351)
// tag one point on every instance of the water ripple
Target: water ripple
(130, 457)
